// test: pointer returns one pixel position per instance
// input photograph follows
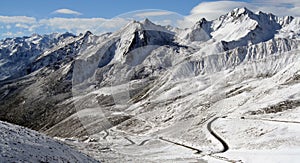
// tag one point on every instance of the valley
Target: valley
(225, 90)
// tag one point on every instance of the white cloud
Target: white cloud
(8, 26)
(277, 2)
(17, 19)
(163, 22)
(7, 34)
(113, 23)
(30, 28)
(10, 34)
(186, 23)
(80, 25)
(30, 25)
(66, 11)
(153, 13)
(19, 25)
(280, 8)
(73, 24)
(212, 10)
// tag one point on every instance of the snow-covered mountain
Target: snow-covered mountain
(17, 53)
(162, 90)
(242, 27)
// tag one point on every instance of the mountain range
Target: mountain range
(226, 88)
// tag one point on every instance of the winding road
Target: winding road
(272, 120)
(132, 142)
(144, 142)
(183, 145)
(106, 134)
(213, 133)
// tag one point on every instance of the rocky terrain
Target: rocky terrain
(221, 90)
(18, 144)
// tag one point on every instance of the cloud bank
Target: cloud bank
(66, 12)
(17, 19)
(212, 10)
(153, 13)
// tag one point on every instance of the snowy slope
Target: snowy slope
(18, 144)
(291, 30)
(154, 93)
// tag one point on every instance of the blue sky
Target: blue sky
(92, 8)
(20, 17)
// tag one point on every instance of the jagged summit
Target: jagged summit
(199, 32)
(235, 13)
(147, 21)
(87, 33)
(239, 27)
(201, 23)
(286, 20)
(202, 20)
(240, 11)
(145, 24)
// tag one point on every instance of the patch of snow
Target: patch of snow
(18, 144)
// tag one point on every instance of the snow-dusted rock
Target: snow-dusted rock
(156, 81)
(18, 144)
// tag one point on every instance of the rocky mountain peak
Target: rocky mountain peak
(240, 11)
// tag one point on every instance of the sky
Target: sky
(19, 17)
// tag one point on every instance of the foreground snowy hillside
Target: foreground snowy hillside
(18, 144)
(223, 90)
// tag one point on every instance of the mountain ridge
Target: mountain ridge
(266, 26)
(147, 81)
